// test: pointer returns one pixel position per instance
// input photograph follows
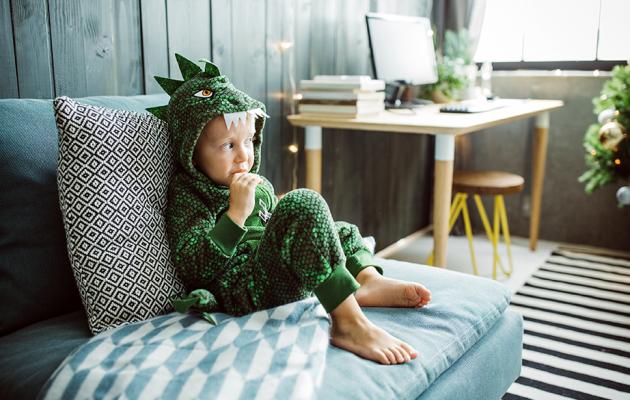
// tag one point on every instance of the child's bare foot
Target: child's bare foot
(378, 291)
(352, 331)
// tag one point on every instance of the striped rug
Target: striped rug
(576, 345)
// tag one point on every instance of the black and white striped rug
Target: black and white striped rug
(576, 345)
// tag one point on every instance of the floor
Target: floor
(416, 248)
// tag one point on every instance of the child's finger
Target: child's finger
(255, 178)
(237, 176)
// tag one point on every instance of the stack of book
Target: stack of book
(341, 95)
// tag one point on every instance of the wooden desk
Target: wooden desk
(444, 126)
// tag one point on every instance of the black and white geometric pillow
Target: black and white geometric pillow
(113, 172)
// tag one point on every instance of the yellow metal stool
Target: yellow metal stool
(480, 183)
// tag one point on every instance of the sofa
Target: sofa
(468, 339)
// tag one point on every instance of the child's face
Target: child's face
(220, 153)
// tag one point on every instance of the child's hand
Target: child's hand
(242, 196)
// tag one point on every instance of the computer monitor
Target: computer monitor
(402, 51)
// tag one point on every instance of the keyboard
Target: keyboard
(472, 107)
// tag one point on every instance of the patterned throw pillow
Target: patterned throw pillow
(113, 173)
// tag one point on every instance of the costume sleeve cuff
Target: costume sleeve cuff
(227, 234)
(339, 285)
(360, 260)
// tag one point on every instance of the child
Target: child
(230, 236)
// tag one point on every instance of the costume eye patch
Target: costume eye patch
(204, 93)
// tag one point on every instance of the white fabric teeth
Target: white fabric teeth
(246, 117)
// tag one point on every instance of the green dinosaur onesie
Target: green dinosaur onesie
(287, 249)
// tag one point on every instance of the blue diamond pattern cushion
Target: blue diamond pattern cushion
(113, 172)
(182, 356)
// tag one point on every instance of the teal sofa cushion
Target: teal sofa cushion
(463, 309)
(36, 280)
(31, 354)
(470, 346)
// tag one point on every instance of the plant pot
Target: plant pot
(438, 97)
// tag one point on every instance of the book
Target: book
(342, 78)
(342, 95)
(341, 109)
(333, 102)
(372, 84)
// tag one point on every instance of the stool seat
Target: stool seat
(487, 182)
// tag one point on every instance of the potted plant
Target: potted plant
(455, 69)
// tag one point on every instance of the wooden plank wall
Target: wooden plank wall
(381, 182)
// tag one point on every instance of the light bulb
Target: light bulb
(284, 46)
(293, 148)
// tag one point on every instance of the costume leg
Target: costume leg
(358, 255)
(299, 253)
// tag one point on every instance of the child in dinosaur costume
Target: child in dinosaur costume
(238, 248)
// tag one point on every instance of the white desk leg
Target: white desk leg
(539, 155)
(313, 147)
(442, 187)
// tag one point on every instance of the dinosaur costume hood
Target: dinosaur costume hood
(200, 97)
(201, 237)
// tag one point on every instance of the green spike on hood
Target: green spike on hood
(169, 85)
(188, 68)
(161, 112)
(210, 67)
(189, 110)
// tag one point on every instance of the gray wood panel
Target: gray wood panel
(127, 51)
(249, 47)
(222, 35)
(418, 8)
(289, 135)
(189, 30)
(154, 44)
(352, 50)
(273, 151)
(377, 181)
(302, 62)
(8, 84)
(69, 60)
(86, 59)
(32, 48)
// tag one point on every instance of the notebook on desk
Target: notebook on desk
(473, 106)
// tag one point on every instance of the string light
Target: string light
(284, 46)
(593, 152)
(289, 106)
(617, 161)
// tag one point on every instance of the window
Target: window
(550, 33)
